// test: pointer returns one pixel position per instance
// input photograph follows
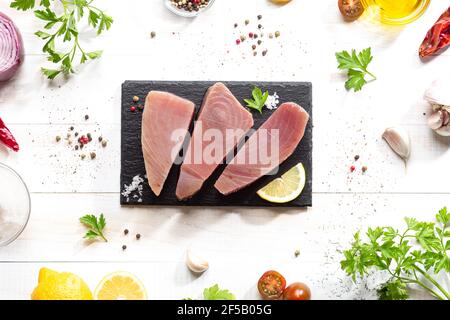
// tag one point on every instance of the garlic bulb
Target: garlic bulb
(399, 141)
(438, 95)
(195, 263)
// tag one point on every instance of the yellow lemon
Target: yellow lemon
(120, 286)
(280, 1)
(54, 285)
(286, 188)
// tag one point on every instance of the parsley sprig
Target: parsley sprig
(65, 26)
(413, 256)
(95, 226)
(356, 64)
(259, 99)
(215, 293)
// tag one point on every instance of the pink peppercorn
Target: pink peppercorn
(132, 108)
(238, 41)
(250, 35)
(352, 168)
(83, 140)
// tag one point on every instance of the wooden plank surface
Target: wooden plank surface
(236, 241)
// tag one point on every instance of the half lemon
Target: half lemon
(120, 286)
(286, 188)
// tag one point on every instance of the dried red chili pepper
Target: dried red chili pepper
(7, 138)
(438, 37)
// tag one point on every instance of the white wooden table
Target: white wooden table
(240, 244)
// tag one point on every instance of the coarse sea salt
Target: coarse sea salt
(9, 224)
(272, 101)
(134, 189)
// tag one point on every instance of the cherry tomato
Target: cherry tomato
(297, 291)
(271, 285)
(351, 9)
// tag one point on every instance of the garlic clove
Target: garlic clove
(436, 120)
(446, 108)
(439, 93)
(446, 118)
(196, 263)
(443, 131)
(399, 141)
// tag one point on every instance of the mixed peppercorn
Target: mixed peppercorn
(190, 5)
(126, 232)
(255, 37)
(78, 141)
(353, 167)
(136, 106)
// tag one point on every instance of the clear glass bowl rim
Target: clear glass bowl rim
(19, 232)
(424, 4)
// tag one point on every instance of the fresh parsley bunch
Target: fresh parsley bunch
(413, 256)
(356, 64)
(65, 26)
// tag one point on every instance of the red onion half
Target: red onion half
(11, 48)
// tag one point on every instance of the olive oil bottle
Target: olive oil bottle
(396, 12)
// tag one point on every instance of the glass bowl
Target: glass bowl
(391, 13)
(184, 13)
(15, 205)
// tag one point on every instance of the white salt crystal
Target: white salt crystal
(272, 101)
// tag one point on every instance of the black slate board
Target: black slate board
(132, 161)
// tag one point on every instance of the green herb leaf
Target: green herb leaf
(43, 35)
(259, 99)
(417, 253)
(94, 54)
(214, 293)
(65, 27)
(23, 4)
(393, 290)
(356, 64)
(105, 23)
(355, 80)
(46, 15)
(443, 216)
(50, 73)
(95, 226)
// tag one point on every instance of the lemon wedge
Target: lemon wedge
(120, 286)
(286, 188)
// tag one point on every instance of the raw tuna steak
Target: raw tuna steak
(222, 123)
(266, 149)
(165, 123)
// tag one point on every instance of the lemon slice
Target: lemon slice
(286, 188)
(120, 286)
